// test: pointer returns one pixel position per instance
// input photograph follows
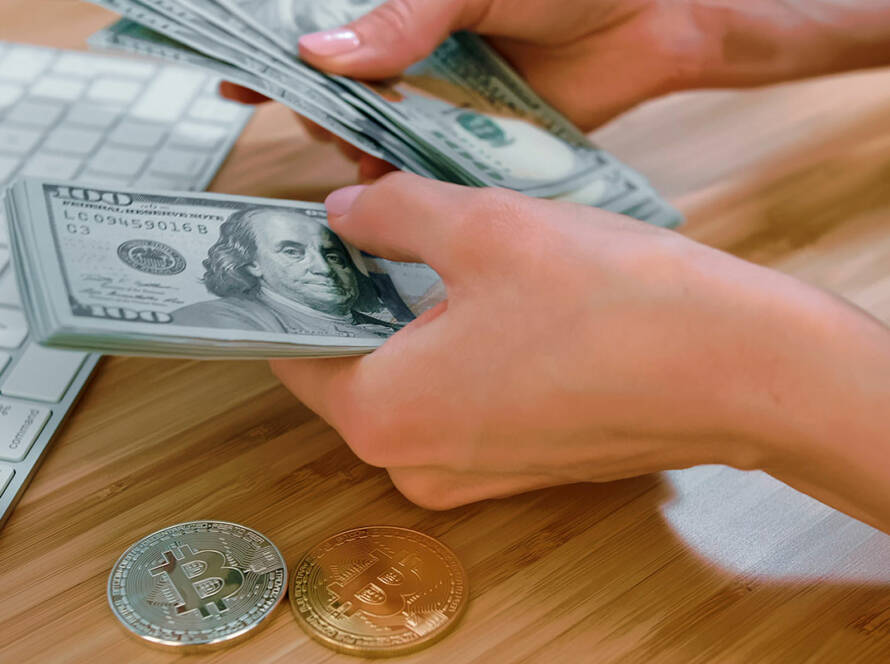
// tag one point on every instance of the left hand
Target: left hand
(575, 345)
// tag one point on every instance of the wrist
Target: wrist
(766, 41)
(828, 429)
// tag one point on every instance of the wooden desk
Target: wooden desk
(709, 565)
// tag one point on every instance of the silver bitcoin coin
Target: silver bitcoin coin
(197, 585)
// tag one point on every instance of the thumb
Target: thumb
(407, 218)
(389, 39)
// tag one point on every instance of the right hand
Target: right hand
(590, 60)
(593, 60)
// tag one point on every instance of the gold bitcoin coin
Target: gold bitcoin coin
(379, 591)
(197, 585)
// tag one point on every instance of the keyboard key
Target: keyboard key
(118, 161)
(18, 140)
(212, 86)
(198, 136)
(52, 166)
(73, 140)
(74, 64)
(13, 328)
(168, 96)
(138, 134)
(6, 473)
(114, 90)
(36, 113)
(42, 374)
(80, 64)
(8, 166)
(24, 64)
(20, 424)
(9, 292)
(177, 163)
(90, 115)
(56, 87)
(213, 108)
(10, 94)
(88, 87)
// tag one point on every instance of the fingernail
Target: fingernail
(330, 42)
(339, 202)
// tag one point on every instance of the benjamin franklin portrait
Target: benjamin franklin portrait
(277, 270)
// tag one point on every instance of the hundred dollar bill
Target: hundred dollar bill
(200, 275)
(463, 101)
(461, 115)
(616, 190)
(475, 77)
(127, 35)
(235, 40)
(307, 99)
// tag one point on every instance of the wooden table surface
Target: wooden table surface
(705, 565)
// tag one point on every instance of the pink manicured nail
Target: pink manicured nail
(339, 202)
(330, 42)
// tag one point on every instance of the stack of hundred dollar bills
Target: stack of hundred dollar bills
(461, 115)
(200, 275)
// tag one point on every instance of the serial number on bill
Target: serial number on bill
(84, 219)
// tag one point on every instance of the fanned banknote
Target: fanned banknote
(201, 275)
(461, 115)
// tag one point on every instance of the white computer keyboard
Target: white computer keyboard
(98, 119)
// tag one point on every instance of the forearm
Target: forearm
(834, 391)
(767, 41)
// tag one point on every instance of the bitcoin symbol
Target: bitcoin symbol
(380, 590)
(201, 578)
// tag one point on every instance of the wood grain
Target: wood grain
(706, 565)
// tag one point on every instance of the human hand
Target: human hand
(575, 345)
(593, 61)
(589, 62)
